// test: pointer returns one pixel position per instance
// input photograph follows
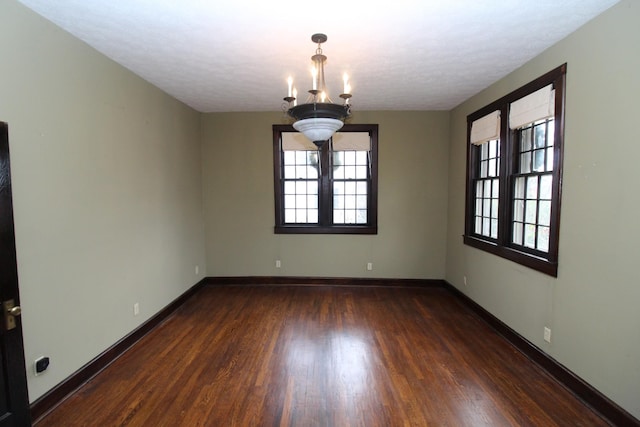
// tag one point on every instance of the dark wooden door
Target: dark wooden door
(14, 402)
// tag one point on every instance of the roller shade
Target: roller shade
(485, 128)
(295, 141)
(536, 106)
(351, 141)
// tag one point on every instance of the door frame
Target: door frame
(12, 357)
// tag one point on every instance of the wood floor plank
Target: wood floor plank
(322, 356)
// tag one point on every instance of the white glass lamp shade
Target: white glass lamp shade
(318, 129)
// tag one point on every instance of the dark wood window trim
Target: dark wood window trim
(545, 262)
(325, 225)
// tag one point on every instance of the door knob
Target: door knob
(11, 311)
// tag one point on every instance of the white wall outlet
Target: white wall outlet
(547, 334)
(369, 266)
(278, 263)
(136, 309)
(197, 269)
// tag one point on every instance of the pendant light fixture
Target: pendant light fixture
(318, 118)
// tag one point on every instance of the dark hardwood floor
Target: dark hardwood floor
(322, 356)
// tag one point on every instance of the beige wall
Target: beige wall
(237, 168)
(592, 307)
(107, 193)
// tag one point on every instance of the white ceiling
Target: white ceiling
(236, 55)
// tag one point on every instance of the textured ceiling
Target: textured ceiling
(236, 55)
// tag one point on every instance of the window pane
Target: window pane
(361, 202)
(538, 161)
(486, 209)
(362, 158)
(486, 226)
(551, 132)
(361, 216)
(543, 239)
(487, 189)
(289, 187)
(530, 236)
(494, 208)
(350, 187)
(338, 201)
(525, 139)
(313, 216)
(312, 202)
(479, 207)
(546, 182)
(338, 217)
(289, 215)
(539, 135)
(517, 233)
(494, 228)
(289, 201)
(492, 148)
(530, 211)
(338, 172)
(525, 162)
(495, 189)
(478, 227)
(301, 215)
(492, 168)
(518, 210)
(350, 216)
(301, 201)
(550, 159)
(289, 172)
(483, 168)
(361, 172)
(338, 188)
(532, 187)
(350, 202)
(544, 215)
(519, 190)
(301, 187)
(289, 157)
(361, 187)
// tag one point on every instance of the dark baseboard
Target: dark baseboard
(57, 394)
(583, 390)
(320, 281)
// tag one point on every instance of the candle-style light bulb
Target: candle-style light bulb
(295, 96)
(345, 78)
(290, 83)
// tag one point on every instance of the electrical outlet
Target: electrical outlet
(369, 266)
(278, 263)
(40, 365)
(136, 309)
(547, 334)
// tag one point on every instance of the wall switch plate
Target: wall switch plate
(369, 266)
(197, 269)
(136, 309)
(278, 263)
(547, 334)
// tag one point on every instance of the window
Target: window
(333, 189)
(514, 174)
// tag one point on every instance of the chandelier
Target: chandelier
(318, 118)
